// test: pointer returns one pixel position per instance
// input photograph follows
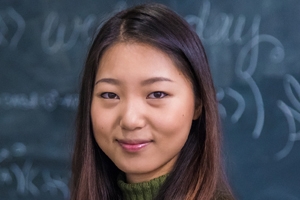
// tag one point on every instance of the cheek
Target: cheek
(175, 120)
(101, 124)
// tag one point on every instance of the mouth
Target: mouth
(134, 145)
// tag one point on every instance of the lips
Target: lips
(134, 145)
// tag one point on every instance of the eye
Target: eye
(156, 95)
(109, 95)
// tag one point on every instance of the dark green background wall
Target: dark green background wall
(253, 49)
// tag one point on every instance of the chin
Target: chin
(135, 169)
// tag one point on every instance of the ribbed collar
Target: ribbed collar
(140, 191)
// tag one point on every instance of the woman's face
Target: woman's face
(142, 110)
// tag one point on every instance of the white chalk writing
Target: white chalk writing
(12, 27)
(49, 101)
(23, 177)
(291, 114)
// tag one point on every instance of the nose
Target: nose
(132, 115)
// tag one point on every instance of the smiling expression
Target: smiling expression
(142, 110)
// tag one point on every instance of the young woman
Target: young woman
(147, 123)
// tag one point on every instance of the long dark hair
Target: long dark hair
(197, 173)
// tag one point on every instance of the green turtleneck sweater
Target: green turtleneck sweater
(148, 190)
(141, 191)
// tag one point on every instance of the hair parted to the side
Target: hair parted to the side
(198, 172)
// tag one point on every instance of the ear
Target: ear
(197, 111)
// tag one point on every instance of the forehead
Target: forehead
(133, 48)
(142, 58)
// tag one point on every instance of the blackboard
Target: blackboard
(253, 49)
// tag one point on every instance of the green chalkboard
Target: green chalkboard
(253, 49)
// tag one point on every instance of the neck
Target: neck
(142, 191)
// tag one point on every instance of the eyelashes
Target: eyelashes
(109, 95)
(156, 95)
(153, 95)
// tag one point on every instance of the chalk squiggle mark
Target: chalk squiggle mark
(291, 81)
(3, 31)
(220, 95)
(18, 149)
(237, 97)
(241, 104)
(290, 114)
(4, 153)
(52, 185)
(21, 24)
(293, 136)
(252, 47)
(5, 176)
(25, 177)
(21, 27)
(260, 119)
(277, 52)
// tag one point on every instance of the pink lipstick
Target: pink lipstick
(133, 145)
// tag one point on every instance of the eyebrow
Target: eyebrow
(154, 80)
(143, 83)
(108, 80)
